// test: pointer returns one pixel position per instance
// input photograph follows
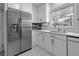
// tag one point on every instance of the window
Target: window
(62, 17)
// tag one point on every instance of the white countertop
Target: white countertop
(61, 33)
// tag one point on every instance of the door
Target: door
(26, 31)
(13, 41)
(73, 46)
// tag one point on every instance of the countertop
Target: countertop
(70, 34)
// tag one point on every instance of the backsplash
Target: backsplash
(45, 26)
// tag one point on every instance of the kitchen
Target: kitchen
(57, 37)
(54, 29)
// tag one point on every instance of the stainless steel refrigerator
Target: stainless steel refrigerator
(19, 31)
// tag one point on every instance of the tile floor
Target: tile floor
(36, 51)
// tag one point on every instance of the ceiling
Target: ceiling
(37, 4)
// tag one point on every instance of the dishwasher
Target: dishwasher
(73, 46)
(59, 45)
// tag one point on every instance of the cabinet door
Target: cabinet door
(34, 14)
(39, 14)
(59, 47)
(34, 40)
(42, 13)
(40, 39)
(47, 40)
(73, 47)
(27, 7)
(14, 5)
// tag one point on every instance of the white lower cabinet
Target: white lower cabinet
(44, 41)
(48, 42)
(54, 44)
(34, 38)
(73, 46)
(59, 46)
(40, 39)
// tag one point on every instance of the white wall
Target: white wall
(76, 21)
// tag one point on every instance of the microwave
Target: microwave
(36, 26)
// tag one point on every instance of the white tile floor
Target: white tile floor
(36, 51)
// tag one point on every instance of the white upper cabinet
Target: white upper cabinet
(14, 5)
(34, 14)
(56, 6)
(43, 13)
(27, 7)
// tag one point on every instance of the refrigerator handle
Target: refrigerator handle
(18, 27)
(20, 31)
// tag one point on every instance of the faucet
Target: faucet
(64, 30)
(59, 28)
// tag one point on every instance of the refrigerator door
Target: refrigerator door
(13, 41)
(26, 31)
(1, 39)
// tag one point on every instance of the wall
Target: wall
(46, 26)
(42, 13)
(76, 22)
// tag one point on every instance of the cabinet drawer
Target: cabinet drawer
(76, 40)
(53, 36)
(62, 37)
